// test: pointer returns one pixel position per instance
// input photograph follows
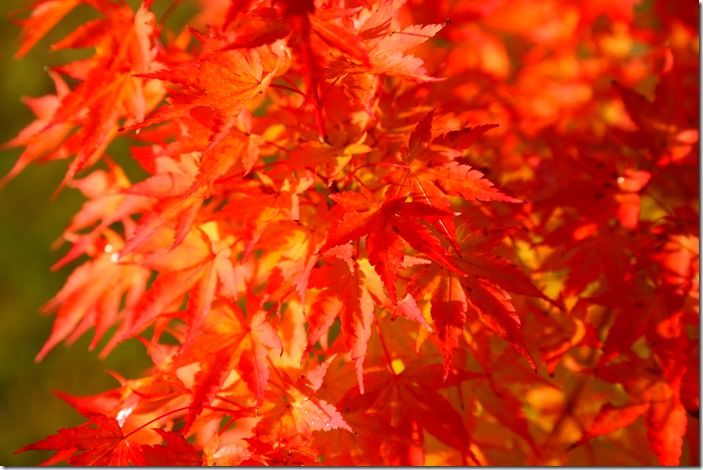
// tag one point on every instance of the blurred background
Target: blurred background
(30, 221)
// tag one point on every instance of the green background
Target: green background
(30, 221)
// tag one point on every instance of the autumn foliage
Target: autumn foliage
(380, 232)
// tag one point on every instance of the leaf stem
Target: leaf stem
(183, 408)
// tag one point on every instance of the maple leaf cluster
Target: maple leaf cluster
(371, 232)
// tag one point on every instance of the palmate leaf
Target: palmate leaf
(49, 146)
(419, 403)
(298, 411)
(208, 382)
(390, 227)
(493, 307)
(436, 177)
(107, 92)
(222, 80)
(253, 363)
(451, 177)
(347, 295)
(98, 442)
(449, 310)
(92, 297)
(387, 52)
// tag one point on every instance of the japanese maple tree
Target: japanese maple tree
(377, 232)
